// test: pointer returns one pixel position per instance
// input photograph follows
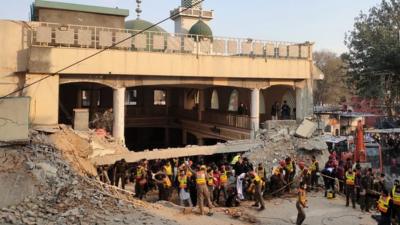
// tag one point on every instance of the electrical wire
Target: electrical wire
(102, 50)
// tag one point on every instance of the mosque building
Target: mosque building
(164, 89)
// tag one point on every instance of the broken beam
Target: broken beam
(131, 157)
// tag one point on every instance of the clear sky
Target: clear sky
(322, 21)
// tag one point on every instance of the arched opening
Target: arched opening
(233, 101)
(277, 98)
(214, 100)
(94, 97)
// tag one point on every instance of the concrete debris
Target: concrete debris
(64, 197)
(314, 143)
(306, 129)
(281, 141)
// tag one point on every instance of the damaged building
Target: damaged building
(162, 89)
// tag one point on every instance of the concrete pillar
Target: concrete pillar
(304, 100)
(166, 137)
(201, 104)
(200, 141)
(255, 110)
(119, 114)
(44, 105)
(184, 137)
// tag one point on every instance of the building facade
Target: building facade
(165, 89)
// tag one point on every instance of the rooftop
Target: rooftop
(80, 8)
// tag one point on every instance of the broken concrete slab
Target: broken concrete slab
(306, 129)
(229, 147)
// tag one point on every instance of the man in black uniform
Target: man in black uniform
(120, 168)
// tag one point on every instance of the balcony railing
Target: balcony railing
(238, 121)
(77, 36)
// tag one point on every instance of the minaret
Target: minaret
(138, 9)
(185, 20)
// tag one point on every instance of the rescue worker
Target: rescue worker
(217, 185)
(385, 205)
(256, 182)
(202, 189)
(165, 182)
(290, 171)
(305, 174)
(168, 170)
(236, 159)
(184, 195)
(210, 183)
(396, 201)
(350, 187)
(223, 184)
(301, 204)
(262, 174)
(140, 179)
(277, 179)
(120, 169)
(314, 169)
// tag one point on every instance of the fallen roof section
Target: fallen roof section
(131, 157)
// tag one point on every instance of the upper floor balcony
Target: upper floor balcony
(134, 53)
(76, 36)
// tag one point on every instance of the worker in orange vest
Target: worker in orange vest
(202, 189)
(314, 168)
(350, 178)
(223, 184)
(395, 194)
(256, 183)
(165, 182)
(385, 206)
(301, 203)
(184, 195)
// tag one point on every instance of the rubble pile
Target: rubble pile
(64, 197)
(280, 140)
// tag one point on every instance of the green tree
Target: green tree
(374, 53)
(332, 89)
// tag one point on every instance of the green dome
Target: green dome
(201, 28)
(141, 25)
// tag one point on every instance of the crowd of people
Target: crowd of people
(364, 187)
(229, 183)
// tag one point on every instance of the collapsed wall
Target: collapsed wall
(279, 140)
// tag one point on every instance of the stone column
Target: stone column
(119, 114)
(166, 137)
(201, 105)
(304, 100)
(200, 141)
(184, 137)
(255, 110)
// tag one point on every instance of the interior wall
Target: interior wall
(224, 94)
(70, 98)
(277, 93)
